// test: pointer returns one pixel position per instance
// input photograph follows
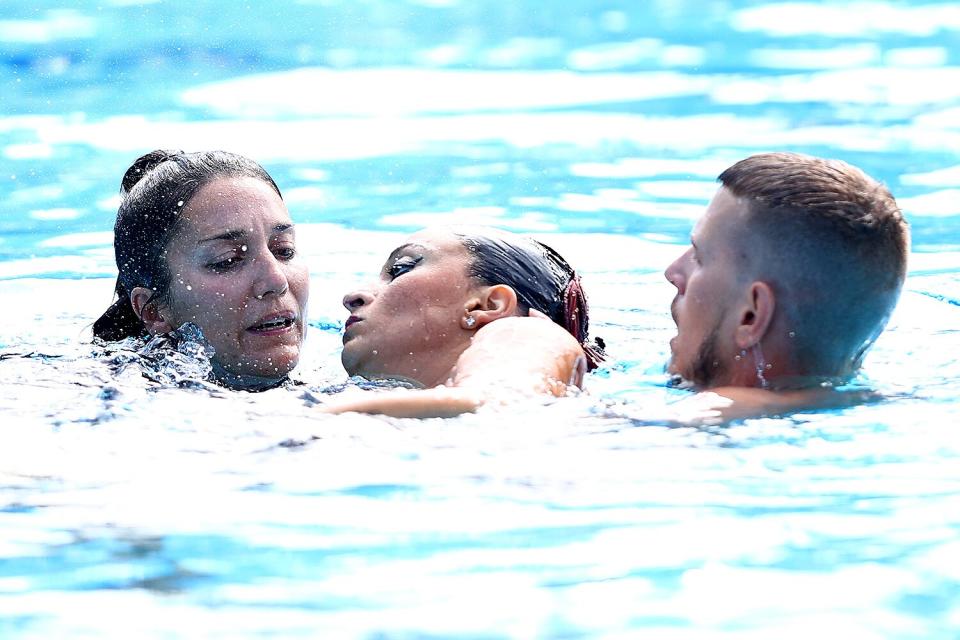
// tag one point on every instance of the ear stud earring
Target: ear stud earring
(470, 322)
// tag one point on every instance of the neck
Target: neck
(775, 370)
(245, 382)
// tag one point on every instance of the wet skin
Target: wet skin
(409, 323)
(236, 274)
(708, 277)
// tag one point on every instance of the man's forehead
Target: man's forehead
(724, 213)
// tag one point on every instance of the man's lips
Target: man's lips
(352, 320)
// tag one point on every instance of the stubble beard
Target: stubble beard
(707, 366)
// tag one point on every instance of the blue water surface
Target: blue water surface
(135, 509)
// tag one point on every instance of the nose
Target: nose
(356, 299)
(675, 274)
(271, 278)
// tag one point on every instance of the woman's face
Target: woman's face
(410, 323)
(236, 274)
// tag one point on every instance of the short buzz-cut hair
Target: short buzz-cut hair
(833, 244)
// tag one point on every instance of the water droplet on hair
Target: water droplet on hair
(189, 288)
(792, 334)
(180, 203)
(243, 247)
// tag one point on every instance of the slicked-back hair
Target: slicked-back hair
(832, 242)
(542, 279)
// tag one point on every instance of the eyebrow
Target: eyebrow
(404, 247)
(240, 234)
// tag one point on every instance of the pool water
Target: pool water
(131, 508)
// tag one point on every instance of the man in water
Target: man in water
(791, 274)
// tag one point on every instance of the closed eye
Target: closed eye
(226, 264)
(403, 265)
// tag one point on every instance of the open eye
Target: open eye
(285, 253)
(402, 265)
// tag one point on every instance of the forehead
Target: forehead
(724, 219)
(228, 202)
(443, 240)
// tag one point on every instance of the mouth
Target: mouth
(352, 320)
(274, 324)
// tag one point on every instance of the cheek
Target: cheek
(209, 304)
(299, 282)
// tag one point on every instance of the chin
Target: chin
(350, 361)
(273, 365)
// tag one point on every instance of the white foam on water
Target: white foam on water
(344, 139)
(651, 51)
(28, 151)
(73, 265)
(650, 167)
(76, 240)
(848, 19)
(940, 203)
(697, 190)
(871, 85)
(859, 55)
(938, 178)
(392, 92)
(948, 118)
(518, 52)
(917, 57)
(60, 213)
(57, 24)
(530, 221)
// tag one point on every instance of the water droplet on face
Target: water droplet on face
(189, 288)
(792, 334)
(375, 352)
(737, 358)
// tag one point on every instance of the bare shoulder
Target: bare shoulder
(522, 354)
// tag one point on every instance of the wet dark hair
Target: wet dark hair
(155, 191)
(542, 279)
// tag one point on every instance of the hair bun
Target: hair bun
(142, 165)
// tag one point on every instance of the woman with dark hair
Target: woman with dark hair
(205, 238)
(468, 315)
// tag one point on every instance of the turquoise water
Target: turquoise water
(135, 509)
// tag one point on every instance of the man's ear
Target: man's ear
(756, 315)
(494, 302)
(149, 311)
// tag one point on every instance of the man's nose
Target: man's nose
(675, 274)
(356, 299)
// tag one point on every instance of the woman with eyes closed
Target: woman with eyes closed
(469, 316)
(205, 238)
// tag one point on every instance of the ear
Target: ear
(756, 316)
(149, 311)
(494, 302)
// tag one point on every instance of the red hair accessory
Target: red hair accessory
(575, 320)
